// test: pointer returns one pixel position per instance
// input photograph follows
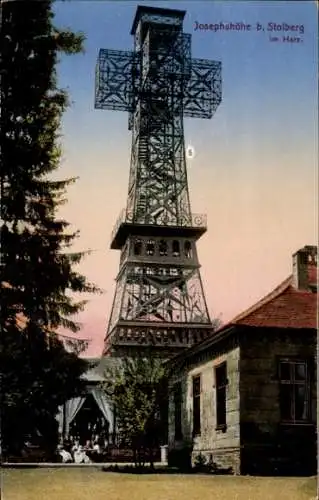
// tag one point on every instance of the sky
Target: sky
(255, 167)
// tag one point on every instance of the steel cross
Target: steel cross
(158, 84)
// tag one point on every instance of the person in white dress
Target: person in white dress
(66, 456)
(79, 455)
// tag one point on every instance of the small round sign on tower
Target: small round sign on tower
(190, 152)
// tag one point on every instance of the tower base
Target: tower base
(160, 340)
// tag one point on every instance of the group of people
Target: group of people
(71, 451)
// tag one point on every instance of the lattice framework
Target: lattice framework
(158, 84)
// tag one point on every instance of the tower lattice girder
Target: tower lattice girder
(159, 298)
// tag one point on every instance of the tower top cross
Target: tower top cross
(161, 49)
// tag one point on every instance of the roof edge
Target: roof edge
(209, 341)
(276, 292)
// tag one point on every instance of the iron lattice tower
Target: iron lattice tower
(159, 299)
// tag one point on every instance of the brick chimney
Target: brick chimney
(305, 268)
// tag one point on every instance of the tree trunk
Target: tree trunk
(151, 458)
(135, 456)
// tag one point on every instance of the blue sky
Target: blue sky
(254, 173)
(259, 77)
(107, 25)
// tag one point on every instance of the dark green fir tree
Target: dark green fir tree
(39, 280)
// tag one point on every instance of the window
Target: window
(178, 411)
(188, 249)
(162, 248)
(221, 384)
(176, 250)
(138, 247)
(294, 391)
(196, 405)
(161, 271)
(150, 247)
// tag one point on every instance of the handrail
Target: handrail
(188, 220)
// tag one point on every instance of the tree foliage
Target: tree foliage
(34, 240)
(37, 375)
(137, 389)
(38, 275)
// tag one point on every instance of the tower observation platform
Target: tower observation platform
(159, 301)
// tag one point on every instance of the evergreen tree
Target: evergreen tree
(38, 276)
(37, 376)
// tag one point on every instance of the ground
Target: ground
(92, 483)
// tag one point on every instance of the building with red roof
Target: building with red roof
(244, 399)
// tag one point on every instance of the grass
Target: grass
(94, 484)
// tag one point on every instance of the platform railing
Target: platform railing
(184, 220)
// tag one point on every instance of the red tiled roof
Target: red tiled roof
(284, 307)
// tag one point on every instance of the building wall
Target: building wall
(267, 444)
(255, 440)
(223, 446)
